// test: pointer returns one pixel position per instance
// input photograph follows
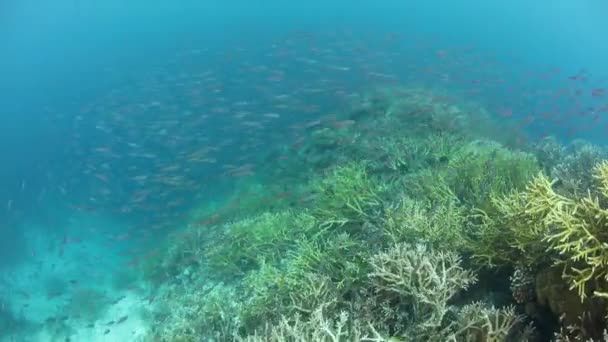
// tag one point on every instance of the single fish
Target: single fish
(122, 319)
(118, 300)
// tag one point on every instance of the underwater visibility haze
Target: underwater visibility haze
(303, 171)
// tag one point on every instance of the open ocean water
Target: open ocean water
(303, 171)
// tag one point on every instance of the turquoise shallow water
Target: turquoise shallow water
(161, 158)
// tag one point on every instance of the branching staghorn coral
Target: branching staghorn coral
(313, 281)
(339, 257)
(541, 200)
(440, 224)
(267, 236)
(269, 293)
(262, 295)
(428, 186)
(318, 327)
(537, 219)
(479, 322)
(573, 333)
(346, 194)
(581, 237)
(601, 175)
(549, 152)
(482, 168)
(573, 168)
(425, 279)
(511, 230)
(405, 154)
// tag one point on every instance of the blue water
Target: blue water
(94, 95)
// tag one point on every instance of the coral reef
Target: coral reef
(252, 241)
(572, 170)
(484, 168)
(439, 224)
(579, 235)
(345, 195)
(421, 222)
(549, 152)
(425, 280)
(555, 234)
(317, 328)
(512, 229)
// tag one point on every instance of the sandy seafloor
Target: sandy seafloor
(41, 289)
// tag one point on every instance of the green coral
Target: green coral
(512, 229)
(482, 168)
(247, 243)
(346, 195)
(428, 186)
(371, 247)
(264, 296)
(338, 256)
(525, 224)
(405, 154)
(322, 271)
(440, 224)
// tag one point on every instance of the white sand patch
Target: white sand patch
(107, 328)
(52, 289)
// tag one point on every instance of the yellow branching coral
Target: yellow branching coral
(601, 174)
(539, 219)
(541, 200)
(581, 237)
(515, 225)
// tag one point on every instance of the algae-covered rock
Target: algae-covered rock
(552, 292)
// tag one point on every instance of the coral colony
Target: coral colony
(407, 235)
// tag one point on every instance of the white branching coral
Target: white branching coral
(479, 322)
(318, 327)
(426, 278)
